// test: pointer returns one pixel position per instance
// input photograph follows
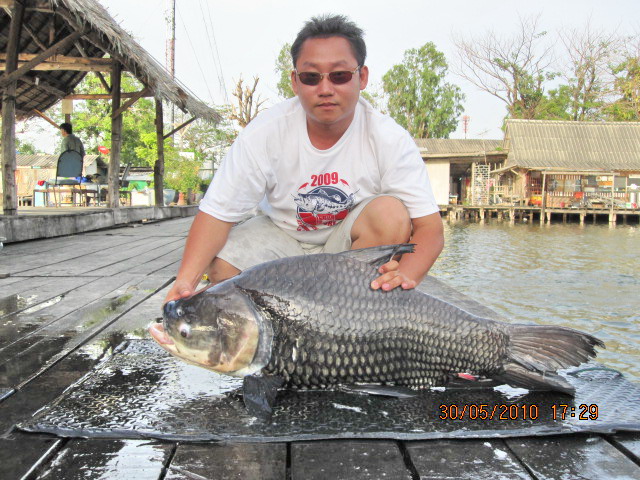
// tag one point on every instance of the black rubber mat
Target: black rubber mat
(142, 392)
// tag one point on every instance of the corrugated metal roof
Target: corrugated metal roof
(552, 144)
(445, 146)
(47, 161)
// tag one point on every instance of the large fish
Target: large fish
(314, 322)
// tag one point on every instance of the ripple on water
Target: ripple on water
(582, 277)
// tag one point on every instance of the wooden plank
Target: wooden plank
(576, 456)
(126, 459)
(158, 167)
(113, 200)
(18, 457)
(628, 443)
(84, 266)
(106, 96)
(265, 461)
(25, 288)
(9, 187)
(12, 76)
(27, 359)
(465, 460)
(125, 106)
(62, 62)
(178, 128)
(347, 459)
(147, 261)
(18, 326)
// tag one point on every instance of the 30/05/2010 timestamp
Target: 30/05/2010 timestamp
(517, 412)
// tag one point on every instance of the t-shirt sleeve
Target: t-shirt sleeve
(238, 185)
(404, 174)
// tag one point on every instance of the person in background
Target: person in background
(69, 140)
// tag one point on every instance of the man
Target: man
(69, 140)
(328, 172)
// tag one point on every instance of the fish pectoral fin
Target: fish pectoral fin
(377, 256)
(379, 390)
(259, 394)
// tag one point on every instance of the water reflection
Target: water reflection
(585, 278)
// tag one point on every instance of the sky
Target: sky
(226, 39)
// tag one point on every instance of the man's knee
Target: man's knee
(221, 270)
(385, 220)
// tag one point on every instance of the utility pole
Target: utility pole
(465, 124)
(170, 47)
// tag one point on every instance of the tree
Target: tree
(248, 103)
(92, 119)
(589, 53)
(512, 69)
(284, 67)
(625, 105)
(419, 98)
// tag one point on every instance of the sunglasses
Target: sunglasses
(314, 78)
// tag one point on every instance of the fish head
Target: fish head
(218, 331)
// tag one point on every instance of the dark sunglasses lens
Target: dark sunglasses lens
(310, 78)
(340, 77)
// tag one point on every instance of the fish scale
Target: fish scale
(315, 322)
(389, 328)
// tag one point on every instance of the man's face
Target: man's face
(328, 104)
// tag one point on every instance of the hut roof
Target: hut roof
(42, 160)
(444, 146)
(46, 22)
(573, 146)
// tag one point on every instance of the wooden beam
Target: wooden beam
(98, 74)
(113, 200)
(103, 96)
(62, 62)
(6, 3)
(14, 75)
(39, 113)
(179, 127)
(158, 167)
(138, 95)
(9, 167)
(42, 85)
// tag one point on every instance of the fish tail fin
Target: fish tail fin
(535, 352)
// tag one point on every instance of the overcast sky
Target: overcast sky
(248, 35)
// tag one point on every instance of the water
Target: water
(585, 277)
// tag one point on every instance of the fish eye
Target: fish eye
(184, 332)
(179, 311)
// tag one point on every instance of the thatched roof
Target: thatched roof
(47, 22)
(573, 146)
(43, 160)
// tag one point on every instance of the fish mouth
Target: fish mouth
(157, 332)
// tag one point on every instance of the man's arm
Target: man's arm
(428, 235)
(206, 238)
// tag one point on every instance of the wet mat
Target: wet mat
(142, 392)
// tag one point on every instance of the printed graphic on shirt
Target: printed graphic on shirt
(323, 201)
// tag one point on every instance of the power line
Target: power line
(204, 77)
(214, 47)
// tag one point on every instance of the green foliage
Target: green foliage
(92, 119)
(626, 107)
(25, 147)
(419, 98)
(284, 67)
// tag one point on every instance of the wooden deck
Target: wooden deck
(68, 300)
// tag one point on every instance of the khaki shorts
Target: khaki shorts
(259, 240)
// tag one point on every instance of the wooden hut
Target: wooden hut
(459, 169)
(49, 46)
(559, 164)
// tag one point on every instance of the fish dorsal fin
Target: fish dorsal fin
(377, 256)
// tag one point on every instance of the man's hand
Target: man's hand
(391, 277)
(179, 290)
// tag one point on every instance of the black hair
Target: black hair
(66, 127)
(325, 26)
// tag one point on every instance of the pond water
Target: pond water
(585, 277)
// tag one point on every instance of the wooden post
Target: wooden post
(116, 140)
(158, 168)
(543, 206)
(10, 200)
(612, 217)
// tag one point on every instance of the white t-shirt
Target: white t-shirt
(304, 190)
